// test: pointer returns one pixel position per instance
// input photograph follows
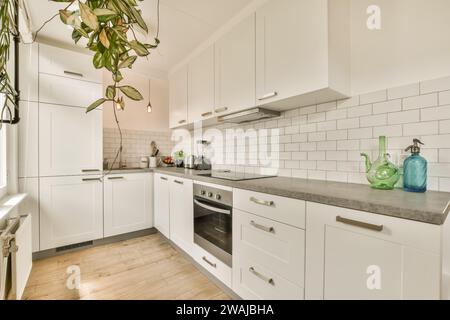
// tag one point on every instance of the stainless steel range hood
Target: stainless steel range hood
(254, 114)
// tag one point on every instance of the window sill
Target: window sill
(9, 203)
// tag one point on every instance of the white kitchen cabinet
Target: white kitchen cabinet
(181, 213)
(29, 72)
(67, 63)
(235, 69)
(201, 86)
(29, 139)
(68, 92)
(70, 141)
(302, 52)
(178, 98)
(359, 255)
(213, 265)
(30, 205)
(161, 204)
(71, 210)
(128, 203)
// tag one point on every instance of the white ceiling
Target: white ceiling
(184, 24)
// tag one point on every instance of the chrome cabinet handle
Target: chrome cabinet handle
(263, 228)
(209, 262)
(91, 179)
(163, 178)
(181, 121)
(263, 278)
(90, 170)
(116, 178)
(178, 182)
(268, 96)
(207, 114)
(220, 110)
(71, 73)
(360, 224)
(262, 202)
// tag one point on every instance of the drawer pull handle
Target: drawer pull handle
(209, 262)
(71, 73)
(207, 114)
(360, 224)
(268, 96)
(181, 121)
(220, 110)
(263, 228)
(259, 275)
(262, 202)
(163, 178)
(116, 178)
(178, 182)
(92, 179)
(90, 170)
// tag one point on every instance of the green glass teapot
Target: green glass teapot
(382, 174)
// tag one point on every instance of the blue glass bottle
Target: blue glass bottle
(415, 170)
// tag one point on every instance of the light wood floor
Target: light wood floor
(142, 268)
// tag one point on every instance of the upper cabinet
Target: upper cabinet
(29, 71)
(201, 86)
(178, 100)
(302, 52)
(69, 64)
(235, 69)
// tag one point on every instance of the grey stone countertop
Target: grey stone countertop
(430, 207)
(127, 170)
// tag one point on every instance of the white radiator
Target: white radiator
(16, 257)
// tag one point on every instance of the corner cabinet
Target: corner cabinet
(128, 202)
(178, 98)
(161, 204)
(302, 52)
(359, 255)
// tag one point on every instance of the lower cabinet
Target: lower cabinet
(213, 265)
(161, 204)
(268, 258)
(359, 255)
(128, 200)
(30, 205)
(71, 210)
(181, 213)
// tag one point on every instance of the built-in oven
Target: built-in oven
(213, 221)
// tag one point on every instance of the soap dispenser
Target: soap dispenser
(415, 170)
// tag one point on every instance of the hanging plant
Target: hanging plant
(109, 28)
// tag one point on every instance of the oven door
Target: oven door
(213, 228)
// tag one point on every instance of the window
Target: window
(3, 179)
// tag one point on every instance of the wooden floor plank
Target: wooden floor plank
(146, 268)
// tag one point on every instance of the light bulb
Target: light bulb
(149, 108)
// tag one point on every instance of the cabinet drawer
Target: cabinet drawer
(216, 267)
(272, 245)
(285, 210)
(252, 281)
(66, 63)
(68, 92)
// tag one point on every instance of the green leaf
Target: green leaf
(128, 62)
(139, 48)
(131, 93)
(98, 60)
(76, 36)
(104, 12)
(88, 17)
(96, 104)
(117, 77)
(140, 21)
(110, 92)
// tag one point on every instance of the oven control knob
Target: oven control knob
(218, 197)
(210, 194)
(203, 192)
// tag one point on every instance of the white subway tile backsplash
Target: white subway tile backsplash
(425, 101)
(388, 106)
(373, 97)
(324, 142)
(404, 91)
(435, 85)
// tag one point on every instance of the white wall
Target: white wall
(135, 115)
(412, 45)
